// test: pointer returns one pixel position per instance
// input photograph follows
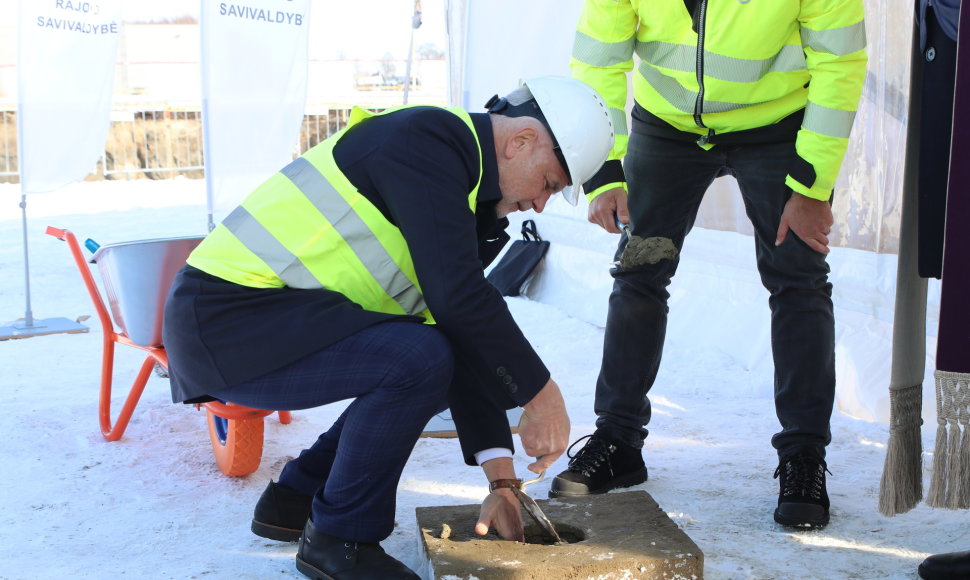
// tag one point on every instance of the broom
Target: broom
(901, 486)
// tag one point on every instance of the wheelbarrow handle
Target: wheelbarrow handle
(57, 233)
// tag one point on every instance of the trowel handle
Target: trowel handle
(536, 480)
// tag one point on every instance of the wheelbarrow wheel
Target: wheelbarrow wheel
(236, 443)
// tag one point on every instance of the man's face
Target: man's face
(529, 172)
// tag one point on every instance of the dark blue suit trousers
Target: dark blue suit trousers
(398, 374)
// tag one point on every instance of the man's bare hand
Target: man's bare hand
(544, 427)
(608, 207)
(500, 510)
(810, 219)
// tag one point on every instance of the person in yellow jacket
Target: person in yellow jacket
(761, 90)
(356, 272)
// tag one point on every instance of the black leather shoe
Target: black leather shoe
(952, 566)
(281, 513)
(325, 557)
(803, 501)
(599, 467)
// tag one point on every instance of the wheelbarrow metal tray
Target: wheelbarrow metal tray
(136, 277)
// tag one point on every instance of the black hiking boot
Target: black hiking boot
(803, 501)
(599, 467)
(281, 513)
(325, 557)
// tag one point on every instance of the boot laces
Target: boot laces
(351, 549)
(596, 452)
(802, 475)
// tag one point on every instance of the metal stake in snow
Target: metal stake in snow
(28, 326)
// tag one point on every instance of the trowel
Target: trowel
(533, 509)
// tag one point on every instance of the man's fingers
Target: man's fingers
(540, 465)
(545, 449)
(609, 225)
(819, 246)
(605, 221)
(514, 533)
(782, 233)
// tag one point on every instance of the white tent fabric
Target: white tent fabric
(65, 76)
(494, 43)
(254, 78)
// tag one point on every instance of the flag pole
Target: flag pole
(28, 326)
(415, 24)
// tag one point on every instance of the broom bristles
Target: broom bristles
(901, 486)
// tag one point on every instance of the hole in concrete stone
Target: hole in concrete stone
(569, 534)
(533, 534)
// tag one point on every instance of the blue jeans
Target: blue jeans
(398, 374)
(667, 180)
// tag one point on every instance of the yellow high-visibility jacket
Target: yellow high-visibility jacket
(308, 227)
(732, 65)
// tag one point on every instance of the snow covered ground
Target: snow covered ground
(155, 505)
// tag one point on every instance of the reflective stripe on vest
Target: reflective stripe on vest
(603, 54)
(684, 58)
(681, 97)
(838, 41)
(348, 224)
(826, 121)
(308, 227)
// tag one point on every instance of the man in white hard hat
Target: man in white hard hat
(356, 272)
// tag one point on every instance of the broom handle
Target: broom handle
(909, 317)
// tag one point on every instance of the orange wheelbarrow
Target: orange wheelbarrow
(136, 277)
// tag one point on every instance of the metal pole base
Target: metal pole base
(39, 327)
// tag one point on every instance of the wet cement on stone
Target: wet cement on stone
(622, 535)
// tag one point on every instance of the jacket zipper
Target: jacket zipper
(699, 102)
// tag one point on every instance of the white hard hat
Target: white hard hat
(580, 123)
(577, 118)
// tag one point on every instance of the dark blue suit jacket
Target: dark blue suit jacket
(417, 166)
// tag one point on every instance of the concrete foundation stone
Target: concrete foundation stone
(622, 535)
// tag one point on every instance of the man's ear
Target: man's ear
(521, 141)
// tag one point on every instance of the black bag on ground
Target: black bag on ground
(519, 262)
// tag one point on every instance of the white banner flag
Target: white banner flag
(254, 68)
(65, 73)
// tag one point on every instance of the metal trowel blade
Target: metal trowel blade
(534, 511)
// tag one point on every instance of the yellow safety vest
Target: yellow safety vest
(308, 227)
(747, 65)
